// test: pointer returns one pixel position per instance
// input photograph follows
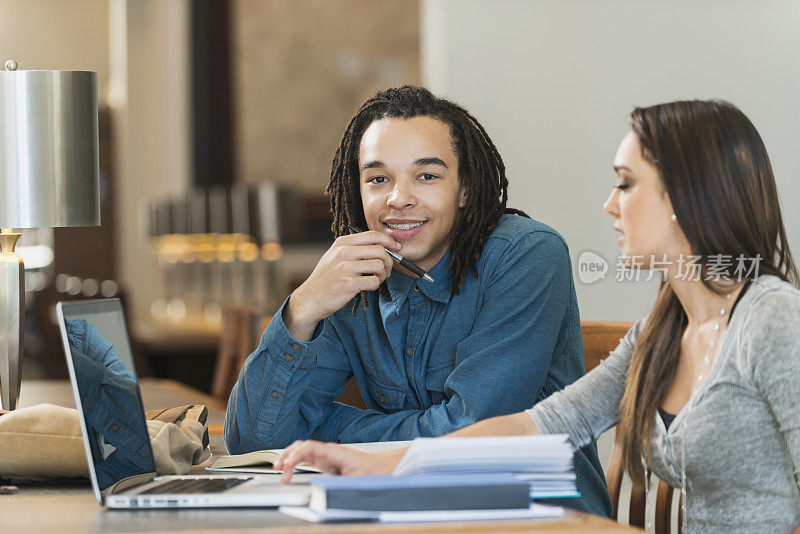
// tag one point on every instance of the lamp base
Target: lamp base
(12, 319)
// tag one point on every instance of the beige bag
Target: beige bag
(43, 442)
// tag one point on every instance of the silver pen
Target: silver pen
(400, 259)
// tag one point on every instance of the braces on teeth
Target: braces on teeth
(404, 226)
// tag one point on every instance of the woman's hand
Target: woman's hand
(336, 459)
(339, 460)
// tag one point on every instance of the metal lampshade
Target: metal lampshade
(49, 176)
(49, 163)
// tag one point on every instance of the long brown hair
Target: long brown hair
(481, 172)
(713, 165)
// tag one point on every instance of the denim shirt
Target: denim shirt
(427, 362)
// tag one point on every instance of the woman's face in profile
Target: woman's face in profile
(641, 209)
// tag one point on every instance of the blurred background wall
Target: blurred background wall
(150, 99)
(66, 35)
(300, 71)
(553, 82)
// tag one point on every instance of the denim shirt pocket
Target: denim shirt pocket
(389, 398)
(434, 382)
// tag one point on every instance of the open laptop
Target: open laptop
(121, 463)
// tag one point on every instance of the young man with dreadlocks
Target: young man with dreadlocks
(497, 331)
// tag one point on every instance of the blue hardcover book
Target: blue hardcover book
(419, 492)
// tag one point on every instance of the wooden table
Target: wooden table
(71, 507)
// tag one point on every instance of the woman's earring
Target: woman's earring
(673, 217)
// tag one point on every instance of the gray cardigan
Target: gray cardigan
(743, 444)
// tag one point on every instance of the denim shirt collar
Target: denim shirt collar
(400, 285)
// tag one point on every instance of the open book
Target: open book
(261, 461)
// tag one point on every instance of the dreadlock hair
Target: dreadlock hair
(480, 171)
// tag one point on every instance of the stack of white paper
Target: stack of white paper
(545, 461)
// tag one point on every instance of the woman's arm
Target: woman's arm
(772, 346)
(336, 459)
(582, 409)
(516, 424)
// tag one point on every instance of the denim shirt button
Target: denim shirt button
(382, 399)
(274, 394)
(409, 351)
(295, 346)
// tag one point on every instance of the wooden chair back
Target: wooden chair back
(599, 339)
(241, 331)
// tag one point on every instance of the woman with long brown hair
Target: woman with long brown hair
(705, 390)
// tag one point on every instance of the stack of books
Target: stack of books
(545, 462)
(452, 479)
(410, 498)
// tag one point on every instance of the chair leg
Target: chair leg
(614, 475)
(638, 506)
(664, 508)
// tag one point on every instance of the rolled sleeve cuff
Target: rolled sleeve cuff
(277, 340)
(540, 421)
(552, 424)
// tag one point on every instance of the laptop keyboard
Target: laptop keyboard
(197, 485)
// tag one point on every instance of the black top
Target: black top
(668, 417)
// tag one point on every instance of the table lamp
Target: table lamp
(49, 176)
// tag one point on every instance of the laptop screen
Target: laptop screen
(103, 372)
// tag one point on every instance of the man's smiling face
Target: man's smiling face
(409, 185)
